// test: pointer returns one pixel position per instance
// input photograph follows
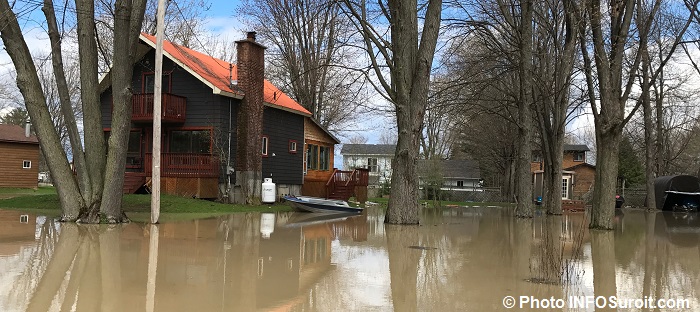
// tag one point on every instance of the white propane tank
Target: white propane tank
(267, 224)
(268, 191)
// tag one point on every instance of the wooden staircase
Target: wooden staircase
(341, 185)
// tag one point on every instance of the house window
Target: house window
(460, 183)
(312, 157)
(265, 141)
(536, 157)
(318, 157)
(579, 156)
(149, 83)
(372, 165)
(292, 146)
(133, 152)
(324, 157)
(189, 141)
(27, 164)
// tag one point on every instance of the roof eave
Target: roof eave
(287, 109)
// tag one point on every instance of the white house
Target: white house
(453, 175)
(375, 157)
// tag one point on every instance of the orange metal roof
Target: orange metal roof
(16, 134)
(215, 72)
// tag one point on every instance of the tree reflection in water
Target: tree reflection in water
(463, 259)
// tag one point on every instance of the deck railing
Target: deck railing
(347, 179)
(184, 165)
(173, 107)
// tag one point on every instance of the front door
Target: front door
(566, 182)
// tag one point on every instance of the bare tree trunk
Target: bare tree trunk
(603, 212)
(609, 106)
(410, 62)
(524, 207)
(554, 176)
(128, 18)
(649, 143)
(89, 93)
(30, 87)
(65, 102)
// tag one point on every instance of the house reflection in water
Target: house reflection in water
(212, 264)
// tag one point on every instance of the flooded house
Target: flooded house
(577, 175)
(219, 120)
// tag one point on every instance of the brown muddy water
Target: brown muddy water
(459, 259)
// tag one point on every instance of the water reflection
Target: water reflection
(459, 259)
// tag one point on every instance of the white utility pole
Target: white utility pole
(157, 113)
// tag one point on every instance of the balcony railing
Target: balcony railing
(184, 165)
(172, 106)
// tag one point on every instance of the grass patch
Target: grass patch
(134, 203)
(7, 192)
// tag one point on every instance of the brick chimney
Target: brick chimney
(251, 79)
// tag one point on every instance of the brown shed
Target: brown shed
(19, 157)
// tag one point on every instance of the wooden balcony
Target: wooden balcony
(172, 106)
(184, 165)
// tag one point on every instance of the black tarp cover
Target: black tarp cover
(677, 185)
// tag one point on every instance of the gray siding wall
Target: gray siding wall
(281, 127)
(208, 110)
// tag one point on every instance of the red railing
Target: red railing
(172, 106)
(347, 179)
(184, 165)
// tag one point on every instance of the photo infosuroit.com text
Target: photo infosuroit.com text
(597, 302)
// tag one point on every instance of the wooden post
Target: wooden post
(157, 114)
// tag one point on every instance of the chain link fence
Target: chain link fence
(635, 197)
(487, 194)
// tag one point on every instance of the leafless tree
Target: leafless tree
(653, 64)
(97, 189)
(610, 76)
(309, 50)
(402, 65)
(555, 55)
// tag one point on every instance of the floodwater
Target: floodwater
(459, 259)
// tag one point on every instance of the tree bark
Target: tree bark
(524, 207)
(649, 151)
(90, 99)
(65, 103)
(128, 18)
(603, 213)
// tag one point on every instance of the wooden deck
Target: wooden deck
(182, 174)
(173, 108)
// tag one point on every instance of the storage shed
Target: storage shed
(679, 192)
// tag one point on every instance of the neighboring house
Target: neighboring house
(376, 158)
(20, 157)
(222, 124)
(461, 175)
(577, 174)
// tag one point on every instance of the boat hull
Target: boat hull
(319, 205)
